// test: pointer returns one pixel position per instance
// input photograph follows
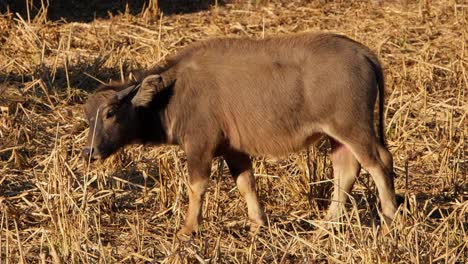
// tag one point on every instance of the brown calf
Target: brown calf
(240, 97)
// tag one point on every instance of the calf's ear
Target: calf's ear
(150, 86)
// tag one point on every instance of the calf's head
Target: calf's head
(113, 116)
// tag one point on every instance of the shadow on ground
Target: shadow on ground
(85, 11)
(84, 76)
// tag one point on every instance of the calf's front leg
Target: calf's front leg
(198, 177)
(241, 169)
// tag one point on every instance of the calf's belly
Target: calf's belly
(275, 144)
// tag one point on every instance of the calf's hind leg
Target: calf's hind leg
(345, 170)
(240, 167)
(376, 160)
(369, 157)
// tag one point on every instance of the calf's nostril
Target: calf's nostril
(87, 152)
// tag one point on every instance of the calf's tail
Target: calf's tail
(381, 90)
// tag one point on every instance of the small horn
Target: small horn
(125, 92)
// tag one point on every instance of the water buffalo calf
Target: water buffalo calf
(237, 97)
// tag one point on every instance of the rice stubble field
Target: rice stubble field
(55, 207)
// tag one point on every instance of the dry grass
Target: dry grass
(56, 208)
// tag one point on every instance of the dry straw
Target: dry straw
(54, 209)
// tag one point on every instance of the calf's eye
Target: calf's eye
(110, 113)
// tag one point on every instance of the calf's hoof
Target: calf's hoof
(257, 223)
(384, 230)
(322, 234)
(385, 225)
(326, 227)
(254, 227)
(185, 234)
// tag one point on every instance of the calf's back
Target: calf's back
(272, 96)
